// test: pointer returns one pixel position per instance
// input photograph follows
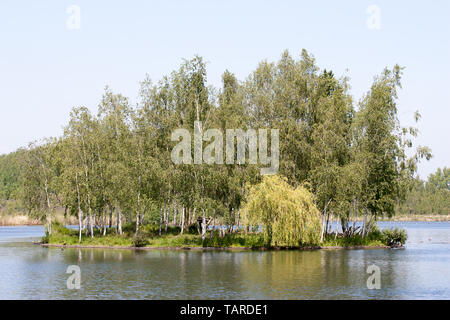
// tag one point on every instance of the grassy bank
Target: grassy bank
(149, 238)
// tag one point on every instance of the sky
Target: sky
(57, 54)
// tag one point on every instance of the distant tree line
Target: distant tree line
(115, 166)
(428, 197)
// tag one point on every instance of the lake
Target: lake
(420, 271)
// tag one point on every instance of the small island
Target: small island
(266, 227)
(149, 239)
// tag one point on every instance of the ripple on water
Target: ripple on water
(420, 271)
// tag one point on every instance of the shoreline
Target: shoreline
(358, 247)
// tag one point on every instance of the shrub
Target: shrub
(139, 240)
(394, 236)
(374, 233)
(192, 229)
(128, 228)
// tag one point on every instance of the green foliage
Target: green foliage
(355, 240)
(375, 237)
(287, 215)
(147, 237)
(440, 180)
(394, 236)
(235, 240)
(10, 175)
(139, 240)
(429, 197)
(62, 230)
(152, 230)
(193, 229)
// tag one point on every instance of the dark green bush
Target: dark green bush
(139, 240)
(192, 229)
(129, 228)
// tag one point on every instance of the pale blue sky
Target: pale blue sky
(46, 69)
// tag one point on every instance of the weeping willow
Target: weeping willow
(287, 215)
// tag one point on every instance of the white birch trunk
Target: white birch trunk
(364, 223)
(182, 220)
(204, 225)
(160, 220)
(119, 221)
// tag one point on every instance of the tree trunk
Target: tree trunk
(324, 214)
(138, 209)
(49, 222)
(160, 220)
(175, 209)
(186, 218)
(104, 221)
(338, 218)
(238, 220)
(166, 218)
(323, 226)
(91, 227)
(213, 227)
(364, 222)
(80, 223)
(142, 218)
(119, 221)
(137, 222)
(49, 212)
(369, 224)
(193, 217)
(326, 225)
(182, 220)
(204, 225)
(111, 209)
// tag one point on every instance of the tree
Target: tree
(39, 178)
(287, 215)
(381, 148)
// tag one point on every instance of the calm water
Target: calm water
(421, 271)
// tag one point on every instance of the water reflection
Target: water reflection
(421, 271)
